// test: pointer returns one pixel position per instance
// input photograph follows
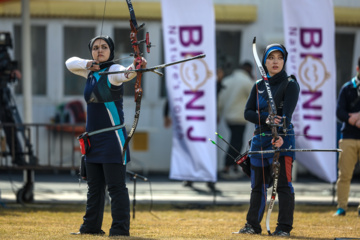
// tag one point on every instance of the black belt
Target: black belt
(267, 128)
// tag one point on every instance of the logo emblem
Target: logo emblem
(195, 73)
(313, 73)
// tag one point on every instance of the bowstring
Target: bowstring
(103, 19)
(102, 25)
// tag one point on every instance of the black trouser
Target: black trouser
(236, 140)
(285, 194)
(98, 176)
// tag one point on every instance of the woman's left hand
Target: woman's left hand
(142, 60)
(278, 143)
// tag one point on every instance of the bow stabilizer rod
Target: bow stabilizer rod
(294, 150)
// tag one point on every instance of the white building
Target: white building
(61, 29)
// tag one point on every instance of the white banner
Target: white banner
(309, 29)
(189, 30)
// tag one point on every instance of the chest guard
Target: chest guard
(104, 91)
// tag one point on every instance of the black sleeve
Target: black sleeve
(290, 100)
(250, 113)
(341, 108)
(166, 108)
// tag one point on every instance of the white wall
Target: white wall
(268, 28)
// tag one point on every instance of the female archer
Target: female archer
(285, 92)
(104, 166)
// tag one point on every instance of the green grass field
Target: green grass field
(45, 221)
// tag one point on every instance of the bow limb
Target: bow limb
(275, 168)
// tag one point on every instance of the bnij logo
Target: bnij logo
(195, 73)
(313, 73)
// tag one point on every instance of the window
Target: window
(38, 57)
(228, 50)
(76, 41)
(344, 58)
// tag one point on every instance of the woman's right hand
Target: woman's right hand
(354, 117)
(93, 65)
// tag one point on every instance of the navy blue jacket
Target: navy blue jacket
(105, 147)
(285, 102)
(347, 97)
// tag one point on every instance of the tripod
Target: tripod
(133, 177)
(11, 123)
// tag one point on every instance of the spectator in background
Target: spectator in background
(348, 112)
(248, 68)
(231, 105)
(220, 73)
(167, 118)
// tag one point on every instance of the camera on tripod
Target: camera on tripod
(6, 65)
(18, 144)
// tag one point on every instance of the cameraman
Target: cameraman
(8, 110)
